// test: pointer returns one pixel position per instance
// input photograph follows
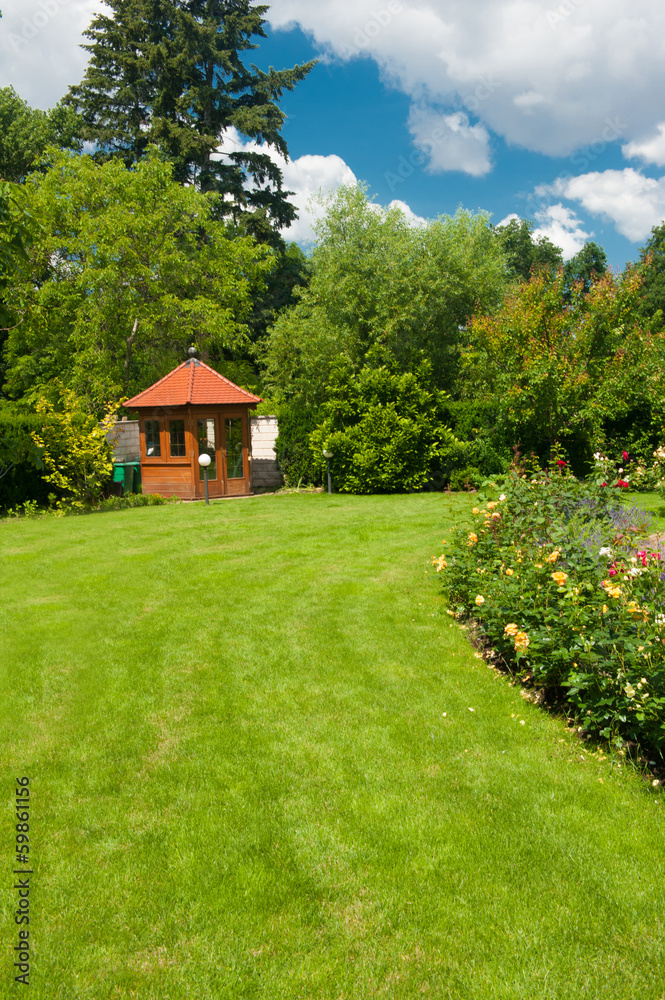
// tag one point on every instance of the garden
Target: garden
(565, 584)
(266, 762)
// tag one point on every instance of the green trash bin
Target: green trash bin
(117, 481)
(128, 478)
(136, 480)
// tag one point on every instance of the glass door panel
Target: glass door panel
(151, 438)
(235, 461)
(177, 445)
(205, 434)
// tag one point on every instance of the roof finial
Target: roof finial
(192, 351)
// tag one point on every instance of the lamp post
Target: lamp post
(328, 455)
(204, 462)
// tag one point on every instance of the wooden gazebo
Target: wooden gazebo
(190, 411)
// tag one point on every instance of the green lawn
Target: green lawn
(266, 763)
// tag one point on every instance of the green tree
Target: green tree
(524, 254)
(126, 269)
(170, 72)
(588, 264)
(559, 373)
(73, 445)
(15, 236)
(382, 425)
(652, 266)
(376, 279)
(242, 364)
(25, 133)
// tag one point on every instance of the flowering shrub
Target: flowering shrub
(553, 574)
(629, 473)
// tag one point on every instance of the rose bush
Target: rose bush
(557, 577)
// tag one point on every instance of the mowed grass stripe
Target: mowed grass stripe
(245, 784)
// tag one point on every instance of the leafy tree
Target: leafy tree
(73, 445)
(14, 240)
(652, 264)
(523, 253)
(126, 269)
(170, 72)
(25, 133)
(589, 264)
(288, 274)
(376, 279)
(383, 426)
(16, 443)
(558, 373)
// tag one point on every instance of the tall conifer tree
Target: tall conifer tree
(170, 72)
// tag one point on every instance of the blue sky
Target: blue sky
(547, 111)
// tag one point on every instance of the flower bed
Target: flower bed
(555, 577)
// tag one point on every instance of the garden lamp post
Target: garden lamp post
(328, 455)
(204, 462)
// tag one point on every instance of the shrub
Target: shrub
(73, 444)
(20, 457)
(31, 509)
(133, 500)
(383, 427)
(292, 449)
(468, 477)
(561, 584)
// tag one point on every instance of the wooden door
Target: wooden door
(235, 442)
(208, 441)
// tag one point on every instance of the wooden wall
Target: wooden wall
(169, 479)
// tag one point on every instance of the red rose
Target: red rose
(625, 455)
(561, 463)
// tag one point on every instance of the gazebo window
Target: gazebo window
(177, 439)
(206, 438)
(235, 466)
(152, 444)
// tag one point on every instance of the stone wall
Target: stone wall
(265, 473)
(125, 439)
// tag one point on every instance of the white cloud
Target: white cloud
(560, 225)
(40, 54)
(451, 142)
(408, 213)
(509, 218)
(650, 150)
(633, 202)
(542, 75)
(307, 176)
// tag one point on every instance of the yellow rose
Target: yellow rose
(560, 578)
(521, 642)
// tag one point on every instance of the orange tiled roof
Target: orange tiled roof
(192, 382)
